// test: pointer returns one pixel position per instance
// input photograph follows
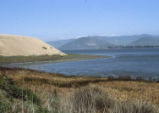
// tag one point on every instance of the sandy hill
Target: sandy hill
(12, 45)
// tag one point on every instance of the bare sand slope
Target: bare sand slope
(12, 45)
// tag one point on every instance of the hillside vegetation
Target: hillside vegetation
(29, 91)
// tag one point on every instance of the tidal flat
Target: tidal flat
(47, 58)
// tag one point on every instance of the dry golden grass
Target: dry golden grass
(47, 86)
(132, 90)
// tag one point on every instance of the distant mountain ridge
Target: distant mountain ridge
(86, 43)
(146, 41)
(60, 43)
(104, 42)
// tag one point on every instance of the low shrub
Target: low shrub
(44, 48)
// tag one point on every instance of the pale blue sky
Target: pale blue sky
(64, 19)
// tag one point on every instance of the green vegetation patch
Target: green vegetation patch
(51, 58)
(44, 48)
(13, 96)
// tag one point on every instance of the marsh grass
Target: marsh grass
(95, 100)
(134, 107)
(86, 100)
(57, 93)
(129, 78)
(62, 83)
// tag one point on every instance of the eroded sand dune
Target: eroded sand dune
(12, 45)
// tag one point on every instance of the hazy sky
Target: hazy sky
(64, 19)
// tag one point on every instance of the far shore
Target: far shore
(47, 58)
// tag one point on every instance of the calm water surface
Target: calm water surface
(132, 62)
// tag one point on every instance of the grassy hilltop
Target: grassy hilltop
(30, 91)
